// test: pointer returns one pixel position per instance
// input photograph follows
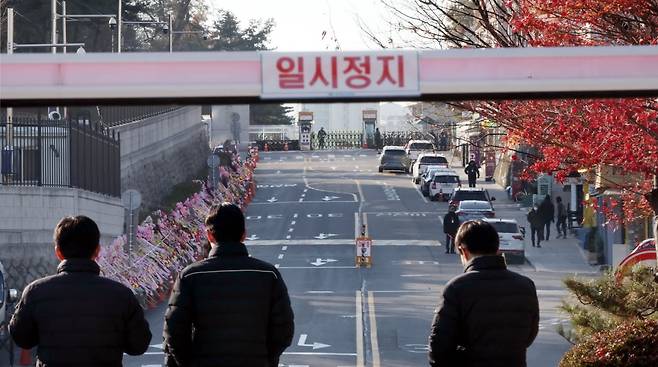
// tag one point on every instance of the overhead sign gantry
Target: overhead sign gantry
(251, 77)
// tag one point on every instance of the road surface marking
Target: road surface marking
(318, 354)
(305, 190)
(320, 292)
(301, 200)
(306, 202)
(376, 362)
(290, 229)
(288, 237)
(345, 241)
(293, 222)
(417, 188)
(284, 248)
(359, 330)
(280, 256)
(314, 345)
(416, 275)
(277, 266)
(303, 195)
(357, 233)
(295, 215)
(319, 267)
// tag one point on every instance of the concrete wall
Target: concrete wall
(28, 216)
(162, 151)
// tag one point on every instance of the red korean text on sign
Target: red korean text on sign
(386, 70)
(319, 75)
(291, 72)
(358, 69)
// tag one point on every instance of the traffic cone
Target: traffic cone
(26, 358)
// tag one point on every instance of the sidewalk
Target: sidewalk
(556, 255)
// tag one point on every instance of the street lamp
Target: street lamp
(112, 23)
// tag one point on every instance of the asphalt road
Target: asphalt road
(307, 211)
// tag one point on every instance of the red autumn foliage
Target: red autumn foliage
(577, 134)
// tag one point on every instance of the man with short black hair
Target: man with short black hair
(489, 315)
(230, 310)
(76, 317)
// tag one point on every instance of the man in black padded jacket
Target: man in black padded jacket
(489, 315)
(77, 318)
(229, 310)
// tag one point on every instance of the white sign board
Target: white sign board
(339, 74)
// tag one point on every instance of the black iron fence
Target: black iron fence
(60, 154)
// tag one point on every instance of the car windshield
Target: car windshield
(421, 146)
(446, 179)
(470, 195)
(475, 205)
(433, 160)
(505, 227)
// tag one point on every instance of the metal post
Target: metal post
(64, 26)
(171, 34)
(10, 50)
(53, 28)
(119, 27)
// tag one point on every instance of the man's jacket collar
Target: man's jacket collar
(229, 249)
(488, 262)
(78, 266)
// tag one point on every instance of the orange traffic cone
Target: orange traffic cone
(26, 358)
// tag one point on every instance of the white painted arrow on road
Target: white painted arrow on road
(329, 198)
(302, 343)
(253, 237)
(324, 236)
(320, 262)
(273, 199)
(158, 346)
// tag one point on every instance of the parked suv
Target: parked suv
(469, 193)
(391, 159)
(424, 160)
(415, 147)
(512, 238)
(443, 184)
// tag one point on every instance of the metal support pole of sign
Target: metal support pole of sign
(64, 26)
(171, 35)
(53, 27)
(119, 11)
(10, 50)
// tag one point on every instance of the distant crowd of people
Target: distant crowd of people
(542, 215)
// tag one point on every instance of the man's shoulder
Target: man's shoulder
(246, 263)
(99, 284)
(466, 279)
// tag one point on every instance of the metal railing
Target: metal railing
(59, 154)
(111, 116)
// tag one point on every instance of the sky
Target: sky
(300, 24)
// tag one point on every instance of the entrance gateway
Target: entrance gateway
(253, 77)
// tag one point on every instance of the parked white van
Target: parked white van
(443, 184)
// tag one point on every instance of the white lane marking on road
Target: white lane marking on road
(324, 236)
(253, 237)
(284, 248)
(363, 156)
(356, 225)
(290, 229)
(376, 362)
(301, 200)
(157, 346)
(305, 190)
(318, 354)
(320, 292)
(288, 237)
(330, 198)
(320, 262)
(277, 266)
(331, 192)
(314, 345)
(293, 222)
(359, 330)
(417, 188)
(389, 192)
(280, 256)
(295, 215)
(345, 241)
(303, 195)
(416, 275)
(151, 365)
(272, 200)
(319, 267)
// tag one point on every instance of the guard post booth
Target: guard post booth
(305, 123)
(369, 121)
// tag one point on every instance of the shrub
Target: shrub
(633, 343)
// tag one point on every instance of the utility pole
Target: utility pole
(10, 50)
(171, 35)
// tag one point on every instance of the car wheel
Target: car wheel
(381, 170)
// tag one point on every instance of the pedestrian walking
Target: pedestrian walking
(378, 140)
(489, 315)
(536, 226)
(321, 136)
(547, 214)
(561, 218)
(229, 310)
(450, 227)
(473, 172)
(76, 317)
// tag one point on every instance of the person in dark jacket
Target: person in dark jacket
(561, 218)
(229, 310)
(378, 140)
(547, 215)
(489, 315)
(536, 226)
(76, 317)
(473, 172)
(450, 227)
(321, 136)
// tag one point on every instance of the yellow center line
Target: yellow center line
(360, 360)
(373, 330)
